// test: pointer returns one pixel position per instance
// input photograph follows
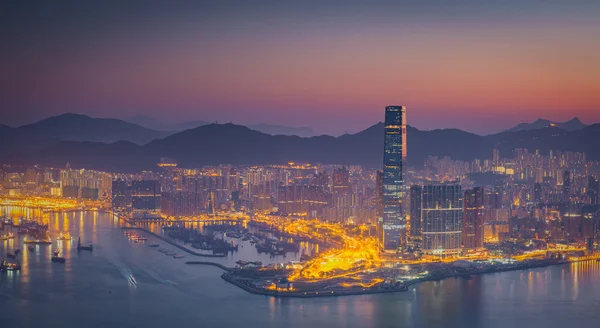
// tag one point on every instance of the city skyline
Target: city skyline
(456, 65)
(174, 163)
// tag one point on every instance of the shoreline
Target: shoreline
(229, 277)
(185, 249)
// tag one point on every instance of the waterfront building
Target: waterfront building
(473, 218)
(145, 197)
(120, 194)
(394, 221)
(441, 215)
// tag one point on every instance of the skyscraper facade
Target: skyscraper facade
(416, 193)
(394, 221)
(441, 215)
(473, 218)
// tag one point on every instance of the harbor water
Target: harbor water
(127, 284)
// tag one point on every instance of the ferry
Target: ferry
(6, 266)
(37, 242)
(10, 235)
(65, 237)
(83, 248)
(57, 258)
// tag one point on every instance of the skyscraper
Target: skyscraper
(441, 215)
(394, 221)
(415, 210)
(473, 219)
(566, 187)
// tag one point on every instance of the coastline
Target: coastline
(185, 249)
(241, 283)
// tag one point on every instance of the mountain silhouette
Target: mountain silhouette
(572, 125)
(76, 127)
(214, 144)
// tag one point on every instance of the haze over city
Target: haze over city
(330, 65)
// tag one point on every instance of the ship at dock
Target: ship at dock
(83, 248)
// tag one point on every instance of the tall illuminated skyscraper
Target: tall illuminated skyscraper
(394, 221)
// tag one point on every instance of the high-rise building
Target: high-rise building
(566, 187)
(441, 215)
(145, 196)
(473, 218)
(537, 193)
(120, 194)
(394, 221)
(340, 180)
(593, 190)
(496, 156)
(379, 194)
(415, 210)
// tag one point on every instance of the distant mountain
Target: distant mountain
(234, 144)
(75, 127)
(154, 124)
(301, 131)
(151, 123)
(572, 125)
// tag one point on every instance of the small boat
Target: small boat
(178, 256)
(31, 248)
(154, 245)
(171, 253)
(65, 237)
(7, 236)
(37, 242)
(6, 266)
(57, 258)
(17, 251)
(11, 255)
(83, 248)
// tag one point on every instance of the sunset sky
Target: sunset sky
(332, 65)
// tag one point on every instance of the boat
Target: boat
(37, 242)
(65, 237)
(7, 236)
(83, 248)
(178, 256)
(7, 266)
(154, 245)
(31, 248)
(57, 258)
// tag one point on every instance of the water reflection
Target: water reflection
(93, 284)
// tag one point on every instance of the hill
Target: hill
(572, 125)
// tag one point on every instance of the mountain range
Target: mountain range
(46, 143)
(154, 124)
(572, 125)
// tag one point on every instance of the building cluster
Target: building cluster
(450, 207)
(443, 207)
(332, 193)
(51, 182)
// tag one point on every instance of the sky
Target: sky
(481, 66)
